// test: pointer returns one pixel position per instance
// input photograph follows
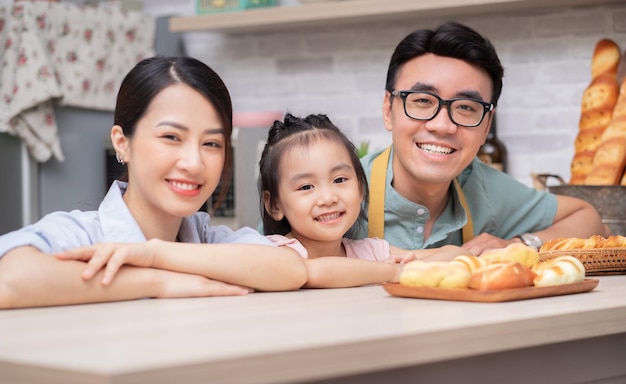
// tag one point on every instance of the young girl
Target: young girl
(172, 128)
(312, 188)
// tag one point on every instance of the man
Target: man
(429, 189)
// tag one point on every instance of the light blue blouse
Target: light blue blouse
(112, 222)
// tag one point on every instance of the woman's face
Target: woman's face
(176, 155)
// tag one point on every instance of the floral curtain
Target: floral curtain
(64, 54)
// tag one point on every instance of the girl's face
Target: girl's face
(175, 157)
(318, 191)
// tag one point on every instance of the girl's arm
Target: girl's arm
(261, 267)
(343, 272)
(31, 278)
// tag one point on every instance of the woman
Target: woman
(172, 128)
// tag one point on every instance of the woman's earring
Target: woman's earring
(119, 158)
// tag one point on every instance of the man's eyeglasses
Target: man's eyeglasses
(421, 105)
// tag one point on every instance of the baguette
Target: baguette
(598, 103)
(606, 56)
(609, 160)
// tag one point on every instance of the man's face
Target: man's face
(435, 151)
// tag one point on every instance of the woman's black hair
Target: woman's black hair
(152, 75)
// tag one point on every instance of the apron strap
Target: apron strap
(468, 228)
(376, 206)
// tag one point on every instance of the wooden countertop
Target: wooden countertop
(287, 336)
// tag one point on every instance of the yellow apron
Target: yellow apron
(376, 206)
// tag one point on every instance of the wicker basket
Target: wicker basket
(601, 261)
(216, 6)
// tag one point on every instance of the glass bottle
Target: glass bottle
(493, 151)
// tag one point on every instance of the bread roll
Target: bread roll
(592, 242)
(557, 271)
(471, 263)
(438, 274)
(519, 252)
(598, 102)
(502, 276)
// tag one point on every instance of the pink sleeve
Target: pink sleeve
(367, 249)
(294, 244)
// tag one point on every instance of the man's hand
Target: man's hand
(485, 241)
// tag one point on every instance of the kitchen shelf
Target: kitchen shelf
(358, 11)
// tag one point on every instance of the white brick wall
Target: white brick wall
(341, 71)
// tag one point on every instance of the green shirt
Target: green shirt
(499, 205)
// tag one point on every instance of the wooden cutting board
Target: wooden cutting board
(466, 294)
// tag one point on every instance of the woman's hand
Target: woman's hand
(175, 284)
(110, 257)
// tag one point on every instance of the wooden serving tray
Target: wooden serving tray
(466, 294)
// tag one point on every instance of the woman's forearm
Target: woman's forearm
(261, 267)
(30, 278)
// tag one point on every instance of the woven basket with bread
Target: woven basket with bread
(600, 255)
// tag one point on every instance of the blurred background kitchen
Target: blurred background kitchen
(338, 69)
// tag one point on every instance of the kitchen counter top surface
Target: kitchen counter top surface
(287, 336)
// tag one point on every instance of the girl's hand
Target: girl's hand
(401, 258)
(113, 255)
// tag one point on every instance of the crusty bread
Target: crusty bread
(609, 160)
(437, 274)
(471, 263)
(598, 103)
(559, 270)
(519, 252)
(506, 275)
(592, 242)
(606, 56)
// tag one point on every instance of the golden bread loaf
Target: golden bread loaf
(519, 252)
(606, 56)
(599, 100)
(592, 242)
(598, 103)
(502, 275)
(436, 274)
(559, 270)
(609, 160)
(471, 263)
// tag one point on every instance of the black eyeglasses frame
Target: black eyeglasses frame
(488, 107)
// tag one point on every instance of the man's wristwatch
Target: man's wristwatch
(531, 240)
